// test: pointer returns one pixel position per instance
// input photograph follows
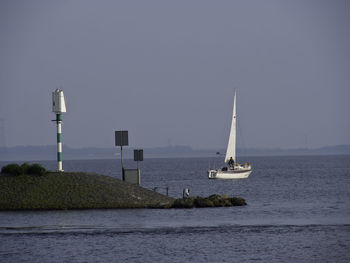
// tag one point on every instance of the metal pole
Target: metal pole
(121, 157)
(59, 141)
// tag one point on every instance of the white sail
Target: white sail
(231, 147)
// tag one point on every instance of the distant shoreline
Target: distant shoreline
(88, 153)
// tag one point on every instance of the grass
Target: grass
(74, 191)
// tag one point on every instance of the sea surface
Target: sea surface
(298, 211)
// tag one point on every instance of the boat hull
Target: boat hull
(229, 174)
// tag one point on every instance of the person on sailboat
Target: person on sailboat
(231, 162)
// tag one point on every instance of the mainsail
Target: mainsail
(231, 147)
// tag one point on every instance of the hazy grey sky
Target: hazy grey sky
(166, 71)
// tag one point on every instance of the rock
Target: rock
(237, 201)
(203, 202)
(183, 203)
(211, 201)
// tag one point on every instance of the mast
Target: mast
(231, 147)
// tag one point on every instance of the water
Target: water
(298, 211)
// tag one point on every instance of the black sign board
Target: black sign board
(138, 155)
(121, 138)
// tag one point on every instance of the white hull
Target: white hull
(237, 173)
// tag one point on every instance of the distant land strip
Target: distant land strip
(49, 152)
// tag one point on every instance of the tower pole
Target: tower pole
(59, 141)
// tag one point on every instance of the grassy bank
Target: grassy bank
(74, 191)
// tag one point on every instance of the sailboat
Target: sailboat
(233, 170)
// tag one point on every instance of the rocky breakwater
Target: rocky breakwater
(214, 200)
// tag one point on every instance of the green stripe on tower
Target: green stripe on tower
(59, 137)
(59, 156)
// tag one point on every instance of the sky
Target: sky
(166, 71)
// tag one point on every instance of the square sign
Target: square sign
(121, 138)
(138, 155)
(132, 176)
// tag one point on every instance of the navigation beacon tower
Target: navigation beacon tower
(59, 107)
